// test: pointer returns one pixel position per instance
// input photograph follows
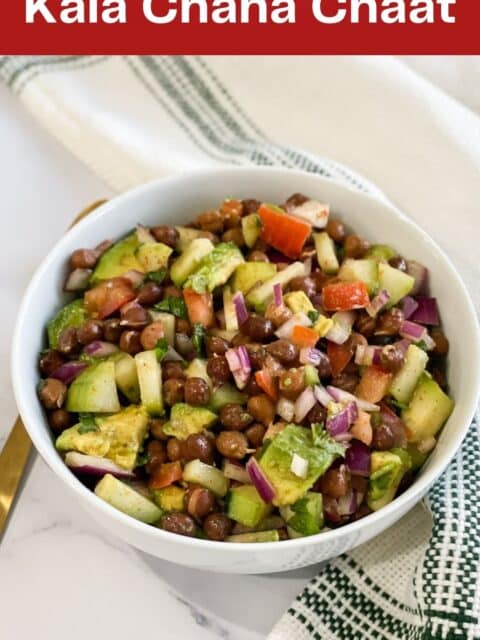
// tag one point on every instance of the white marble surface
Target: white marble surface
(59, 572)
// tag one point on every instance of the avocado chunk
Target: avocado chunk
(190, 260)
(170, 498)
(276, 461)
(381, 252)
(361, 270)
(127, 500)
(405, 381)
(249, 274)
(260, 296)
(73, 314)
(117, 437)
(149, 374)
(387, 469)
(396, 282)
(257, 536)
(117, 260)
(244, 505)
(185, 237)
(305, 517)
(298, 302)
(186, 420)
(215, 268)
(226, 394)
(95, 390)
(428, 410)
(153, 256)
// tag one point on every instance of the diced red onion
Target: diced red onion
(68, 371)
(339, 395)
(240, 308)
(304, 403)
(344, 437)
(322, 395)
(277, 295)
(412, 331)
(184, 343)
(426, 312)
(299, 466)
(342, 327)
(420, 274)
(236, 472)
(100, 349)
(403, 345)
(339, 423)
(95, 466)
(357, 458)
(409, 306)
(78, 280)
(260, 481)
(134, 276)
(330, 508)
(285, 331)
(378, 303)
(240, 366)
(309, 355)
(347, 505)
(286, 409)
(367, 355)
(144, 235)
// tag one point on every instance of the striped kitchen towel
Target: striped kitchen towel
(135, 118)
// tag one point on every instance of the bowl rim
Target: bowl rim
(407, 499)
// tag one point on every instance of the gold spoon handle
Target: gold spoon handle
(16, 451)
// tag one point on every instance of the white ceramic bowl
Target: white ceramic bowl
(177, 200)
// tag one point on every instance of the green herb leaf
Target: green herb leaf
(313, 315)
(156, 276)
(322, 439)
(161, 348)
(173, 305)
(87, 423)
(198, 339)
(142, 459)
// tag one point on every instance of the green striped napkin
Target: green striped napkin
(131, 119)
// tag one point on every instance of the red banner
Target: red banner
(240, 26)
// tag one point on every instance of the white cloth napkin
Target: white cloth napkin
(132, 119)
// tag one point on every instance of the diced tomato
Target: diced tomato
(199, 307)
(108, 297)
(165, 474)
(283, 232)
(266, 382)
(339, 356)
(304, 336)
(344, 296)
(374, 384)
(397, 427)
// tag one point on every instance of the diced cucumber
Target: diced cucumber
(258, 536)
(71, 315)
(94, 391)
(364, 270)
(387, 469)
(405, 381)
(186, 420)
(153, 256)
(298, 301)
(168, 321)
(249, 274)
(126, 376)
(245, 505)
(117, 260)
(381, 252)
(198, 369)
(252, 228)
(311, 376)
(428, 410)
(206, 476)
(170, 498)
(305, 517)
(260, 295)
(231, 320)
(125, 499)
(185, 237)
(396, 282)
(149, 374)
(326, 254)
(190, 260)
(226, 394)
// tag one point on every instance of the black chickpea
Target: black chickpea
(218, 369)
(336, 230)
(389, 322)
(216, 346)
(112, 330)
(130, 342)
(355, 247)
(156, 454)
(336, 482)
(442, 345)
(68, 343)
(173, 370)
(180, 523)
(255, 434)
(174, 450)
(210, 221)
(258, 328)
(166, 234)
(151, 334)
(59, 419)
(217, 526)
(134, 316)
(90, 331)
(199, 446)
(284, 351)
(262, 408)
(173, 391)
(155, 427)
(200, 502)
(52, 393)
(292, 383)
(83, 259)
(50, 361)
(149, 294)
(305, 284)
(235, 417)
(197, 391)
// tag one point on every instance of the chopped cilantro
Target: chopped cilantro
(321, 438)
(156, 276)
(198, 339)
(173, 305)
(161, 348)
(86, 423)
(313, 315)
(142, 459)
